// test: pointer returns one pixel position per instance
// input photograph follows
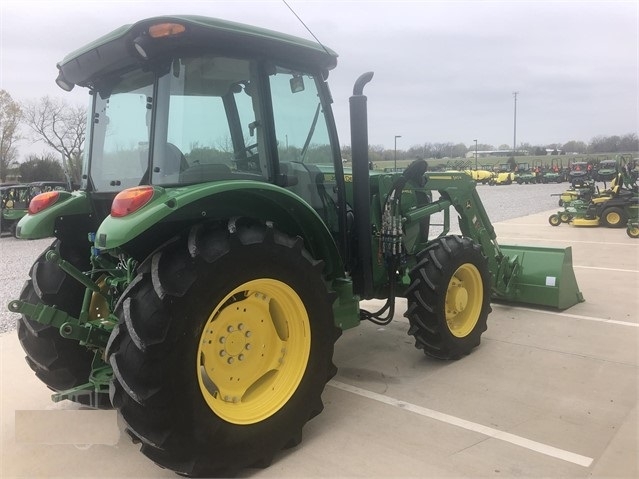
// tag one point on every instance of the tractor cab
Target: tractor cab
(171, 110)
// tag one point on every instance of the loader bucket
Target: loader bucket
(545, 277)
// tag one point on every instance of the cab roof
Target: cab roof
(115, 51)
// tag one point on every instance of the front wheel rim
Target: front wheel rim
(253, 351)
(464, 300)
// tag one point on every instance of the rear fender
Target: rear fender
(42, 224)
(173, 210)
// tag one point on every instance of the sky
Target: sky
(445, 71)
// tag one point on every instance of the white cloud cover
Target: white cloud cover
(444, 71)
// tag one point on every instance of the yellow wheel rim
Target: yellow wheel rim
(633, 231)
(613, 218)
(99, 306)
(253, 351)
(464, 298)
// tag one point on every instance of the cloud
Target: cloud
(444, 71)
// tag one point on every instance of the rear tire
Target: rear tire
(633, 231)
(58, 362)
(223, 349)
(614, 217)
(449, 298)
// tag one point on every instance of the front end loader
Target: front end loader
(217, 249)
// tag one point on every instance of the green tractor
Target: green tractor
(554, 174)
(217, 247)
(524, 174)
(606, 170)
(16, 198)
(14, 201)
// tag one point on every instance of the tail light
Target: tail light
(131, 200)
(43, 201)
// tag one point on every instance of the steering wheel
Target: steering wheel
(249, 160)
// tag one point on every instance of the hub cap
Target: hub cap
(253, 351)
(613, 218)
(464, 298)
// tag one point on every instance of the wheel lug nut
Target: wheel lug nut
(240, 326)
(222, 340)
(248, 346)
(230, 329)
(248, 334)
(222, 353)
(241, 357)
(230, 360)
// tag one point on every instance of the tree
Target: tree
(575, 147)
(629, 143)
(347, 153)
(458, 150)
(10, 114)
(46, 168)
(62, 127)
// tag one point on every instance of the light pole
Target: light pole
(475, 155)
(515, 93)
(396, 136)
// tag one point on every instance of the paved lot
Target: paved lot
(547, 394)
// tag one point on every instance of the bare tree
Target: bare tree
(62, 127)
(10, 115)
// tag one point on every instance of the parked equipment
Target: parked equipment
(525, 175)
(200, 290)
(503, 176)
(580, 172)
(613, 208)
(480, 176)
(16, 198)
(583, 191)
(606, 170)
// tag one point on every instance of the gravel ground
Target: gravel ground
(501, 203)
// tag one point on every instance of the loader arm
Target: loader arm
(527, 274)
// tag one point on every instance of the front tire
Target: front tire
(449, 298)
(223, 349)
(554, 220)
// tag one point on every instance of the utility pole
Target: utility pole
(475, 155)
(396, 136)
(515, 93)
